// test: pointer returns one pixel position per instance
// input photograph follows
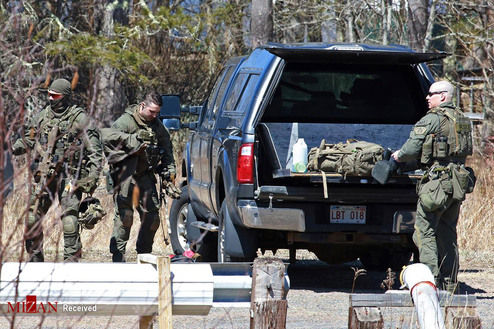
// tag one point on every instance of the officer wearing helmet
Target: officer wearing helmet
(66, 157)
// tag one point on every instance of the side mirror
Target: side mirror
(170, 107)
(172, 124)
(170, 112)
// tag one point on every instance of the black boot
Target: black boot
(117, 255)
(35, 254)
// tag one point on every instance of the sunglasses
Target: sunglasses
(54, 96)
(432, 93)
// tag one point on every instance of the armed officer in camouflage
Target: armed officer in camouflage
(441, 141)
(66, 155)
(137, 146)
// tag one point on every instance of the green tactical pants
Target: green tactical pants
(39, 205)
(435, 237)
(148, 210)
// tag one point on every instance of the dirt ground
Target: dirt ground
(318, 298)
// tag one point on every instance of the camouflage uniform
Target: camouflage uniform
(136, 150)
(67, 156)
(435, 226)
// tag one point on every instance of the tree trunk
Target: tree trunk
(430, 24)
(108, 98)
(417, 23)
(261, 22)
(329, 31)
(350, 35)
(387, 15)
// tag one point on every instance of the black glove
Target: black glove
(168, 176)
(171, 190)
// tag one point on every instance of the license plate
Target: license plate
(348, 214)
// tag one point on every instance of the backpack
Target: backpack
(354, 158)
(460, 133)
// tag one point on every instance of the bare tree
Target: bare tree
(418, 14)
(108, 98)
(261, 22)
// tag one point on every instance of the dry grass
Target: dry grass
(475, 226)
(95, 242)
(476, 223)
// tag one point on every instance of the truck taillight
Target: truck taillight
(245, 164)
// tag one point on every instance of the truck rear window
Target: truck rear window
(347, 93)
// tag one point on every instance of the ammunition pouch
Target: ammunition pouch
(463, 180)
(427, 147)
(90, 212)
(434, 194)
(440, 149)
(44, 169)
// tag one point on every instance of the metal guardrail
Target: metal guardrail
(402, 298)
(122, 288)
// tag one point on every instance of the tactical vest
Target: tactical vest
(451, 144)
(152, 152)
(67, 151)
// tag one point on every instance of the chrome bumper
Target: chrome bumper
(285, 219)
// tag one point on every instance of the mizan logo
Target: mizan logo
(31, 306)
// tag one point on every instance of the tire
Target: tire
(178, 221)
(180, 236)
(222, 256)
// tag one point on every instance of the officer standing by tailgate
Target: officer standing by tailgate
(441, 140)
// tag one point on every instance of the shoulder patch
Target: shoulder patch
(420, 130)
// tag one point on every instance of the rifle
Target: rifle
(167, 188)
(46, 168)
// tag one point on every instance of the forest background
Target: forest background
(115, 50)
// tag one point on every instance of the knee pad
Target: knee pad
(31, 220)
(70, 225)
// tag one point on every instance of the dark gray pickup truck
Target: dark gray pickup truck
(238, 193)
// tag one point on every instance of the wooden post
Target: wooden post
(365, 318)
(268, 305)
(165, 293)
(146, 322)
(462, 318)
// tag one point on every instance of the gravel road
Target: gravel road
(318, 298)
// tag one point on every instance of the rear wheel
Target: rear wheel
(223, 257)
(178, 221)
